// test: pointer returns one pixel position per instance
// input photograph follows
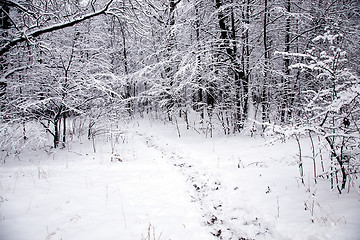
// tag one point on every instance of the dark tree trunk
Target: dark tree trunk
(340, 161)
(285, 108)
(126, 70)
(170, 67)
(264, 98)
(199, 93)
(246, 64)
(64, 129)
(56, 133)
(5, 22)
(56, 121)
(238, 75)
(241, 80)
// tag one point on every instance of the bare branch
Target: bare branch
(52, 28)
(17, 5)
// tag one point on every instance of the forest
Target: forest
(289, 69)
(244, 64)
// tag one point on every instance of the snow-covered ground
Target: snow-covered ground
(166, 187)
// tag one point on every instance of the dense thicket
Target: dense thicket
(244, 64)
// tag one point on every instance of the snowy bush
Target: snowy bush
(331, 107)
(16, 136)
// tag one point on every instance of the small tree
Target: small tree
(331, 106)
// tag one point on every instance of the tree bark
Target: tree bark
(245, 76)
(64, 129)
(285, 108)
(56, 133)
(199, 93)
(264, 98)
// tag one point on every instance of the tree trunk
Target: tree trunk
(241, 79)
(56, 133)
(3, 86)
(64, 129)
(224, 29)
(171, 38)
(170, 67)
(338, 158)
(126, 69)
(285, 108)
(56, 122)
(5, 22)
(199, 93)
(238, 75)
(264, 98)
(245, 60)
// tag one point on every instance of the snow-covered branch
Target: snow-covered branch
(25, 36)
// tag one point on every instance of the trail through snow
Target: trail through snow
(207, 191)
(82, 195)
(170, 188)
(249, 188)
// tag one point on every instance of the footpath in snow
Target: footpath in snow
(249, 188)
(166, 187)
(77, 194)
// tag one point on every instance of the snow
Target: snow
(193, 187)
(81, 195)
